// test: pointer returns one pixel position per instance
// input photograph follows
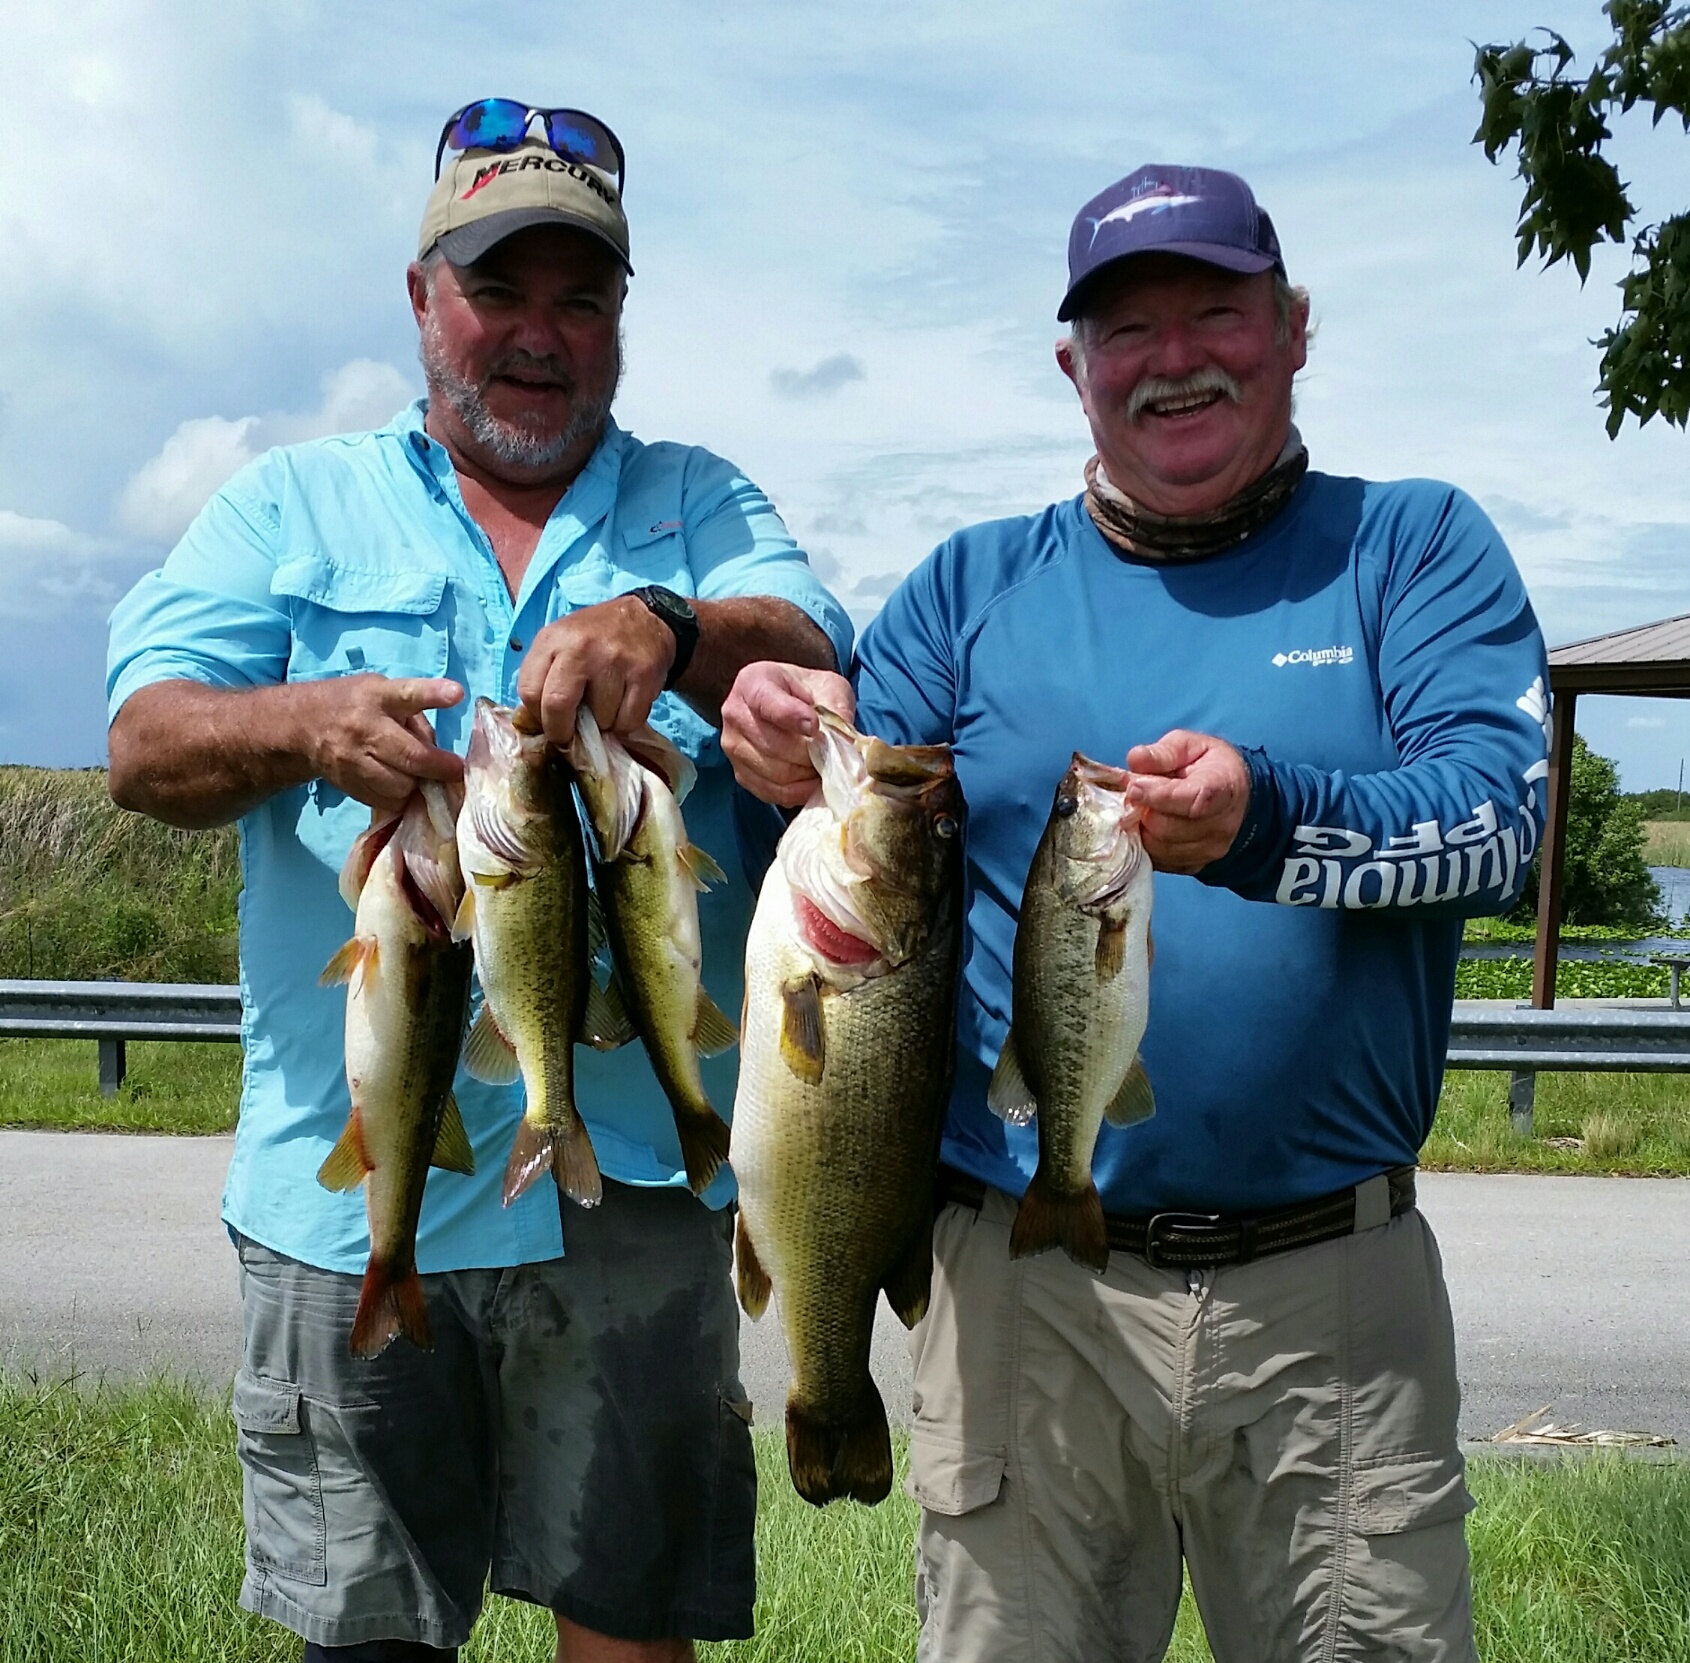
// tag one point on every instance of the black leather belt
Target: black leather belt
(1190, 1240)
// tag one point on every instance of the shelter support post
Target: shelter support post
(1553, 857)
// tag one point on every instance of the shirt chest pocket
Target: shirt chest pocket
(349, 620)
(657, 553)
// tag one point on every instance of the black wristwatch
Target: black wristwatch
(677, 613)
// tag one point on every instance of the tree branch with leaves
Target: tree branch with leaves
(1574, 197)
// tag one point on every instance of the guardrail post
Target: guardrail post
(1522, 1094)
(114, 1064)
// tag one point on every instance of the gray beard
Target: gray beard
(508, 443)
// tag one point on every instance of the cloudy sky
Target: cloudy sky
(849, 224)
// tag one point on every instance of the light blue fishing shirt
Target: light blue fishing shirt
(356, 554)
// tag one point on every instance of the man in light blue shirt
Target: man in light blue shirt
(309, 650)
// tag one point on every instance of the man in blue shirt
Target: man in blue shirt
(309, 650)
(1349, 687)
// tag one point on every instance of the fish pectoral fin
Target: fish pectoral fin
(712, 1031)
(910, 1280)
(347, 1162)
(452, 1152)
(463, 921)
(605, 1023)
(701, 867)
(1135, 1101)
(1111, 947)
(357, 957)
(801, 1042)
(753, 1280)
(488, 1055)
(1009, 1096)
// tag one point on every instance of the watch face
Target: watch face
(672, 605)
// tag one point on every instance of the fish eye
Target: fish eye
(944, 826)
(1065, 805)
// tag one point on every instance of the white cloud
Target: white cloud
(817, 382)
(166, 492)
(46, 568)
(1645, 722)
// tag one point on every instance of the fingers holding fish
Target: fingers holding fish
(768, 723)
(615, 656)
(360, 734)
(1193, 790)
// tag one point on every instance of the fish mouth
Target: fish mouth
(1085, 773)
(854, 766)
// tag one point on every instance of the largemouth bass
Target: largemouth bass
(851, 973)
(1081, 1002)
(525, 906)
(649, 879)
(406, 1002)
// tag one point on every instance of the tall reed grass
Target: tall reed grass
(88, 892)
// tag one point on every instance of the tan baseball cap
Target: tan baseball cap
(483, 196)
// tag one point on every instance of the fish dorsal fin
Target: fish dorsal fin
(488, 1055)
(1111, 948)
(754, 1284)
(357, 957)
(801, 1042)
(700, 867)
(347, 1162)
(1009, 1097)
(1134, 1101)
(452, 1152)
(712, 1031)
(605, 1024)
(463, 924)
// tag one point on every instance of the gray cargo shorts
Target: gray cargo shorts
(1287, 1427)
(578, 1434)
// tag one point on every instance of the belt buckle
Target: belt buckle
(1173, 1222)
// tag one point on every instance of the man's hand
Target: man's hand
(368, 735)
(1193, 790)
(768, 721)
(614, 657)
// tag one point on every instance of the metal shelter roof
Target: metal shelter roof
(1650, 659)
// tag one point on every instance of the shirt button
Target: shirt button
(516, 643)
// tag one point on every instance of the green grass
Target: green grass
(55, 1084)
(88, 892)
(1666, 843)
(1633, 1124)
(120, 1538)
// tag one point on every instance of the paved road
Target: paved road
(1567, 1291)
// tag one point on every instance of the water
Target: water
(1675, 902)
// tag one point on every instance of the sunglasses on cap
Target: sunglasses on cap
(503, 123)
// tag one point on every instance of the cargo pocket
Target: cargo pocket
(733, 1562)
(286, 1532)
(951, 1478)
(1409, 1493)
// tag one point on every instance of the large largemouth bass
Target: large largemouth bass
(851, 973)
(525, 905)
(649, 878)
(406, 1002)
(1081, 1002)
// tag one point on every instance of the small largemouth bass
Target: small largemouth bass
(406, 1002)
(851, 973)
(525, 906)
(1081, 1002)
(649, 879)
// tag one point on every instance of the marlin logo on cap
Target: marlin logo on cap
(1156, 201)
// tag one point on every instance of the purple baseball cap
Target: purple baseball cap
(1200, 212)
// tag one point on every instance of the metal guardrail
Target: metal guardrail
(1521, 1041)
(114, 1012)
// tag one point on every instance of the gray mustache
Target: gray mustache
(1210, 379)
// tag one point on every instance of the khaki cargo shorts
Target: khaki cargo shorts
(1287, 1427)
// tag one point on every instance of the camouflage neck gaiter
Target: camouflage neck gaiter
(1159, 538)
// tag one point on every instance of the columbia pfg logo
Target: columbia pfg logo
(1315, 655)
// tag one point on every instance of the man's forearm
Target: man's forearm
(198, 756)
(747, 630)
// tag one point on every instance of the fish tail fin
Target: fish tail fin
(566, 1150)
(390, 1304)
(1072, 1220)
(829, 1458)
(754, 1283)
(704, 1146)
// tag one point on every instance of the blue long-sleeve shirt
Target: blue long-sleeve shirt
(1373, 653)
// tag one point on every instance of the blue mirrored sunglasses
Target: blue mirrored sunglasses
(503, 123)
